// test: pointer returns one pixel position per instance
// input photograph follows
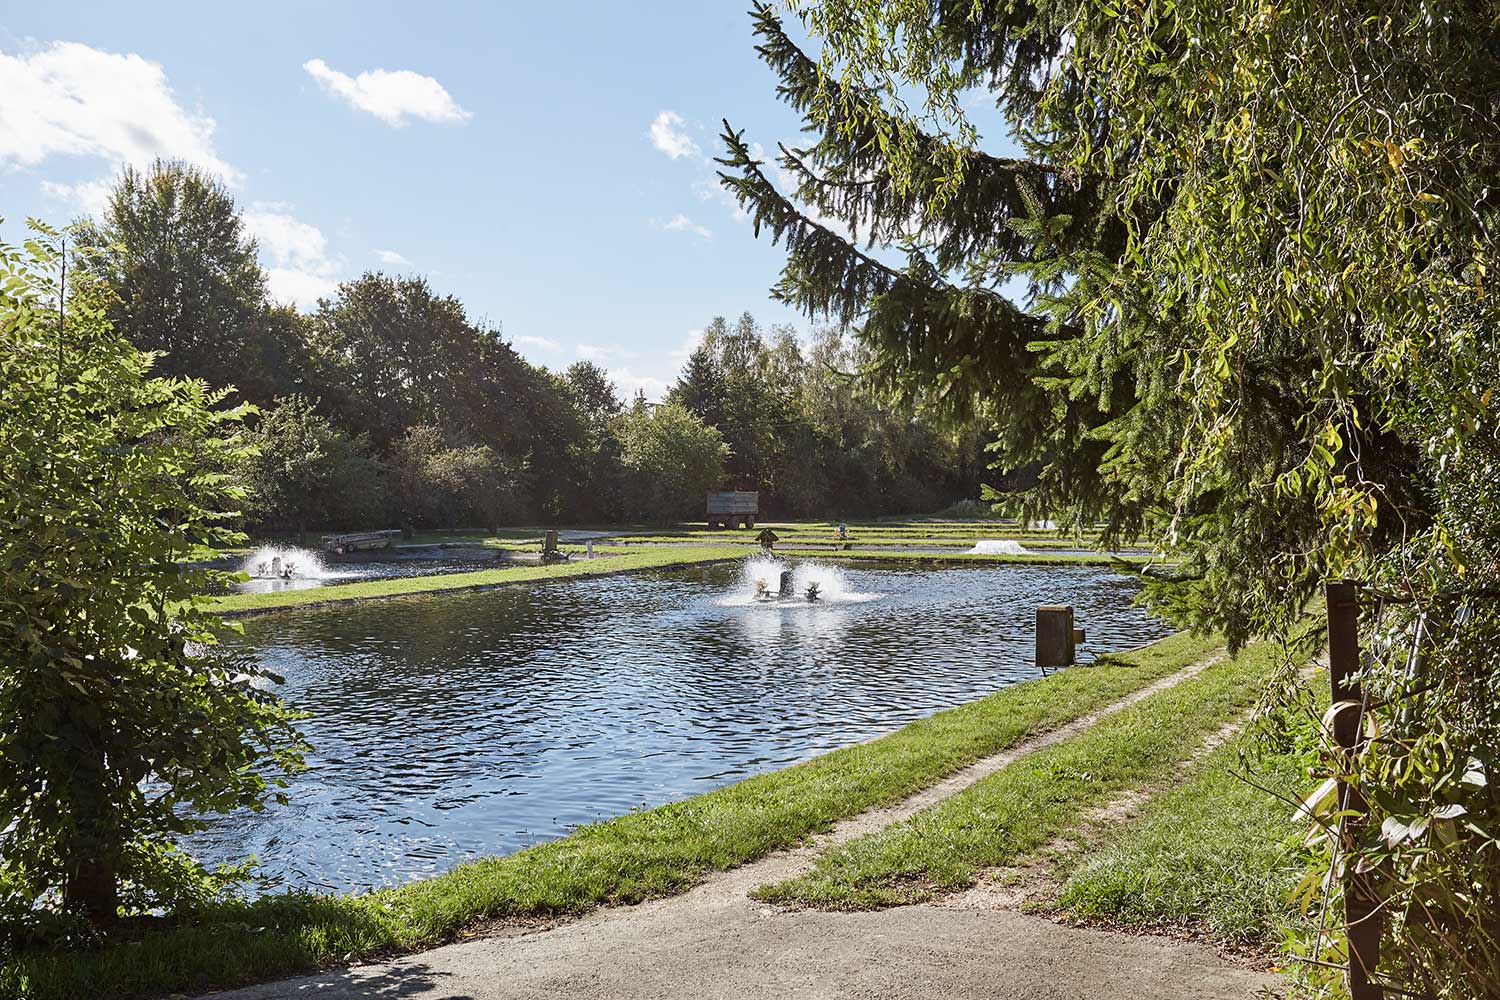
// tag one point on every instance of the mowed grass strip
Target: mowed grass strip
(952, 558)
(1022, 807)
(856, 535)
(634, 857)
(1215, 853)
(478, 579)
(801, 539)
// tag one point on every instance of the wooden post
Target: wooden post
(1361, 906)
(1054, 635)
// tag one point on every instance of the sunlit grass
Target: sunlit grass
(1002, 818)
(1215, 853)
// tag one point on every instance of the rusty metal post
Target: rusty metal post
(1361, 906)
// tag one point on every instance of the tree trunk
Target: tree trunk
(301, 533)
(91, 890)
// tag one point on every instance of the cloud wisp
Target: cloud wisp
(539, 343)
(680, 223)
(669, 135)
(391, 258)
(300, 270)
(395, 97)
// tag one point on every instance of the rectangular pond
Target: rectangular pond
(474, 724)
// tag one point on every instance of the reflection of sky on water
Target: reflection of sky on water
(477, 723)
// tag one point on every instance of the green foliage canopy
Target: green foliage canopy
(675, 456)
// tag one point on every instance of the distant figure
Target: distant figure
(843, 532)
(767, 538)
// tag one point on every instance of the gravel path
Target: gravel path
(714, 942)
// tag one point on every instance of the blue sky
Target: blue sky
(549, 164)
(507, 152)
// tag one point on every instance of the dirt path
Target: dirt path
(714, 942)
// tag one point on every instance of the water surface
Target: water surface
(474, 724)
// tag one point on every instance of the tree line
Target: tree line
(388, 404)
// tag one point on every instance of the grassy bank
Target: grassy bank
(954, 558)
(808, 540)
(1020, 808)
(630, 858)
(902, 534)
(1213, 854)
(622, 562)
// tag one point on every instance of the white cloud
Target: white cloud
(689, 345)
(70, 99)
(300, 269)
(88, 197)
(540, 343)
(669, 135)
(628, 382)
(393, 96)
(593, 352)
(392, 258)
(680, 223)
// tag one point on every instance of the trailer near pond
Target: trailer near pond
(732, 509)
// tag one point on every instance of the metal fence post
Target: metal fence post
(1361, 906)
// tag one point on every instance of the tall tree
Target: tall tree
(674, 456)
(701, 386)
(594, 393)
(601, 494)
(174, 249)
(390, 353)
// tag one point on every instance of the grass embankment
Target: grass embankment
(633, 857)
(902, 533)
(827, 541)
(241, 604)
(1021, 808)
(1213, 854)
(951, 558)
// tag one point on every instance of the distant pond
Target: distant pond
(474, 724)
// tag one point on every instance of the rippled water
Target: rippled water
(479, 723)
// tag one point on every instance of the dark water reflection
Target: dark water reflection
(480, 723)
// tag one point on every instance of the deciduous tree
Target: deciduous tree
(122, 721)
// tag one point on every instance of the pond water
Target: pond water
(476, 724)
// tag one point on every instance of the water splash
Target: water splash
(760, 583)
(278, 562)
(999, 547)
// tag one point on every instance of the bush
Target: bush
(122, 721)
(967, 509)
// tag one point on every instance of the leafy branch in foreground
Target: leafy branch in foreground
(122, 721)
